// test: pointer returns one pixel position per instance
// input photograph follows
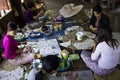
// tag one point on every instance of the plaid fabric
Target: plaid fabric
(93, 65)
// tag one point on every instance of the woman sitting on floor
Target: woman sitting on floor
(15, 55)
(98, 20)
(105, 55)
(30, 15)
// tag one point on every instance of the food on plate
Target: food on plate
(19, 36)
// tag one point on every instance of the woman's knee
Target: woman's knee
(85, 54)
(29, 57)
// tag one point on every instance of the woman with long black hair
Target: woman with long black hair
(105, 55)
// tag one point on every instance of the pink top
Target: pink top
(10, 47)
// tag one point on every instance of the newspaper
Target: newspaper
(87, 44)
(49, 47)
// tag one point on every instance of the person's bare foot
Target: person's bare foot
(75, 75)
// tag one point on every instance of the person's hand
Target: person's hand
(19, 51)
(28, 49)
(95, 29)
(24, 42)
(40, 13)
(91, 27)
(94, 46)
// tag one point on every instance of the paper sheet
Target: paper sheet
(87, 44)
(49, 47)
(66, 44)
(32, 44)
(89, 35)
(73, 28)
(21, 46)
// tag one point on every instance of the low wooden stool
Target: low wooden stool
(115, 75)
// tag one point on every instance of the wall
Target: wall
(10, 16)
(5, 19)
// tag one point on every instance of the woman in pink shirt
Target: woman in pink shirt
(15, 55)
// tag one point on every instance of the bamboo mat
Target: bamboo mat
(5, 65)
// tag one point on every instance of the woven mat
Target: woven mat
(113, 76)
(5, 65)
(10, 71)
(15, 74)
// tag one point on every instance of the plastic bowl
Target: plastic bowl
(60, 69)
(20, 39)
